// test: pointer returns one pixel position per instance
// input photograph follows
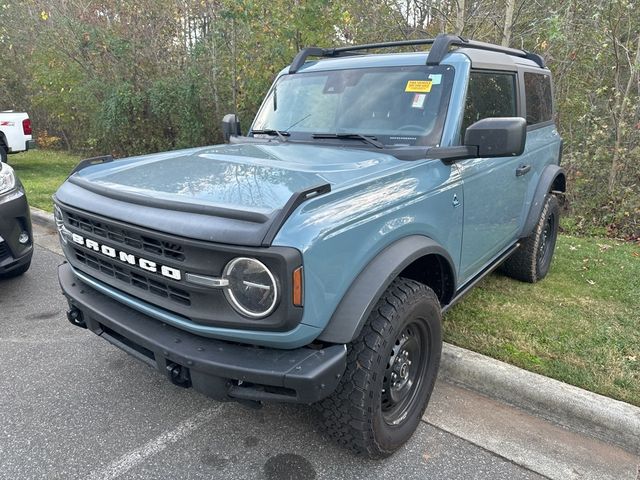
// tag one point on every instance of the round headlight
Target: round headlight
(252, 289)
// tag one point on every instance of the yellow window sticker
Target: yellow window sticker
(418, 86)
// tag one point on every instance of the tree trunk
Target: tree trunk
(460, 8)
(508, 22)
(621, 120)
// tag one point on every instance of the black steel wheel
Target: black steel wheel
(404, 373)
(391, 370)
(532, 260)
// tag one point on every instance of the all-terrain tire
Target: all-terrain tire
(361, 414)
(532, 260)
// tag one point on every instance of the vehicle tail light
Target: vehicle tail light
(26, 126)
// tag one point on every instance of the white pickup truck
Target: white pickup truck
(15, 133)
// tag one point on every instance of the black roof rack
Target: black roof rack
(441, 46)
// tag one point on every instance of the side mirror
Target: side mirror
(230, 126)
(497, 137)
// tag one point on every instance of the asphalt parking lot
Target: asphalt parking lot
(73, 406)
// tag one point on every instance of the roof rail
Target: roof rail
(441, 46)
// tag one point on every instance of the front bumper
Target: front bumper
(222, 370)
(15, 219)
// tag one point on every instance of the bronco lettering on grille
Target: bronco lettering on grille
(143, 263)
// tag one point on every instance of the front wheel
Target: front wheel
(3, 153)
(391, 370)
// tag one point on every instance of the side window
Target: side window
(537, 90)
(490, 94)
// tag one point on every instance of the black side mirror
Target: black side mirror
(230, 126)
(497, 137)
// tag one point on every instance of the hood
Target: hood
(249, 183)
(248, 177)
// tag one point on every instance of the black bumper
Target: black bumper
(15, 218)
(222, 370)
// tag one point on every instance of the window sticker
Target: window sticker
(418, 86)
(435, 78)
(418, 100)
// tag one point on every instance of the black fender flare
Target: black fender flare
(361, 297)
(552, 175)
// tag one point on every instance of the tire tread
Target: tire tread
(523, 263)
(347, 413)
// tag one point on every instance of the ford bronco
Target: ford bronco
(311, 260)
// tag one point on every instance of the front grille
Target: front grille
(126, 237)
(196, 303)
(4, 251)
(132, 278)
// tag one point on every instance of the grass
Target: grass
(41, 173)
(580, 325)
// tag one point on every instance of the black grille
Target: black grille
(127, 238)
(135, 279)
(4, 250)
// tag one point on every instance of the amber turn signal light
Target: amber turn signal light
(297, 287)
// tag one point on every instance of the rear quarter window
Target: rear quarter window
(539, 105)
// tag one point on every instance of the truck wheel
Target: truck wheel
(3, 153)
(532, 260)
(391, 370)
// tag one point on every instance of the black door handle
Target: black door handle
(522, 170)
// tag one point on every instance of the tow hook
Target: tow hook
(179, 375)
(75, 317)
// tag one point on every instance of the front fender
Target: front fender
(361, 297)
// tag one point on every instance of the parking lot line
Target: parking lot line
(155, 446)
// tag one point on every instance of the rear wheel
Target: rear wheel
(391, 370)
(532, 260)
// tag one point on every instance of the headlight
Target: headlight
(252, 289)
(7, 178)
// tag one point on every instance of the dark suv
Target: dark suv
(311, 260)
(16, 247)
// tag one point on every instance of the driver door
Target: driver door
(494, 194)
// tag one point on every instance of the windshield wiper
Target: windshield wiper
(351, 136)
(281, 133)
(270, 131)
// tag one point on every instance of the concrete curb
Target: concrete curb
(42, 218)
(579, 410)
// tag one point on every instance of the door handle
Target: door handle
(522, 170)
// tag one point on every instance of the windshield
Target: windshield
(399, 106)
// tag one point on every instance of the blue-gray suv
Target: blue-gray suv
(311, 260)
